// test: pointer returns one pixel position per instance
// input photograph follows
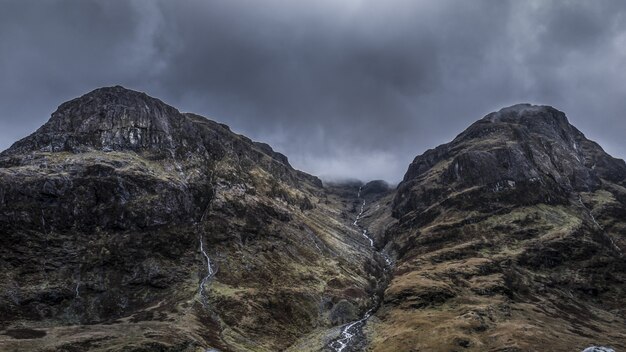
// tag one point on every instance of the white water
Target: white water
(358, 217)
(210, 271)
(356, 222)
(369, 238)
(350, 330)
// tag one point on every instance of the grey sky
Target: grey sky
(344, 88)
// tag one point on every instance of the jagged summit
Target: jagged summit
(531, 149)
(116, 119)
(109, 108)
(122, 215)
(538, 119)
(110, 118)
(120, 204)
(519, 221)
(117, 96)
(522, 110)
(120, 119)
(541, 119)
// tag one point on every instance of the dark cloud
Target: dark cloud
(344, 88)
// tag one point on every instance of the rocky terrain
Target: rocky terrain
(105, 209)
(126, 225)
(509, 238)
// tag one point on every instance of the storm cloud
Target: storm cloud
(346, 89)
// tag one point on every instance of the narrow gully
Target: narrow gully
(606, 235)
(353, 330)
(209, 274)
(210, 271)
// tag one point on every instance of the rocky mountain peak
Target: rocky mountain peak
(522, 147)
(524, 112)
(110, 118)
(116, 119)
(122, 215)
(538, 119)
(519, 208)
(106, 97)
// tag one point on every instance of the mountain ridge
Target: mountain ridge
(519, 221)
(122, 214)
(128, 114)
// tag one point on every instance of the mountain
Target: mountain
(126, 225)
(509, 238)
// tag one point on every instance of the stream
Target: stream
(209, 274)
(210, 271)
(352, 332)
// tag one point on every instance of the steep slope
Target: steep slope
(509, 238)
(127, 225)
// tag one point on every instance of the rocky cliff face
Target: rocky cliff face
(530, 150)
(128, 225)
(510, 237)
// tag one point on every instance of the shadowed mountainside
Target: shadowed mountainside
(104, 208)
(128, 225)
(509, 238)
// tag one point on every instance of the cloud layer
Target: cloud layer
(344, 88)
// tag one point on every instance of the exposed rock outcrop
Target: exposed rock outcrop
(102, 214)
(128, 225)
(509, 238)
